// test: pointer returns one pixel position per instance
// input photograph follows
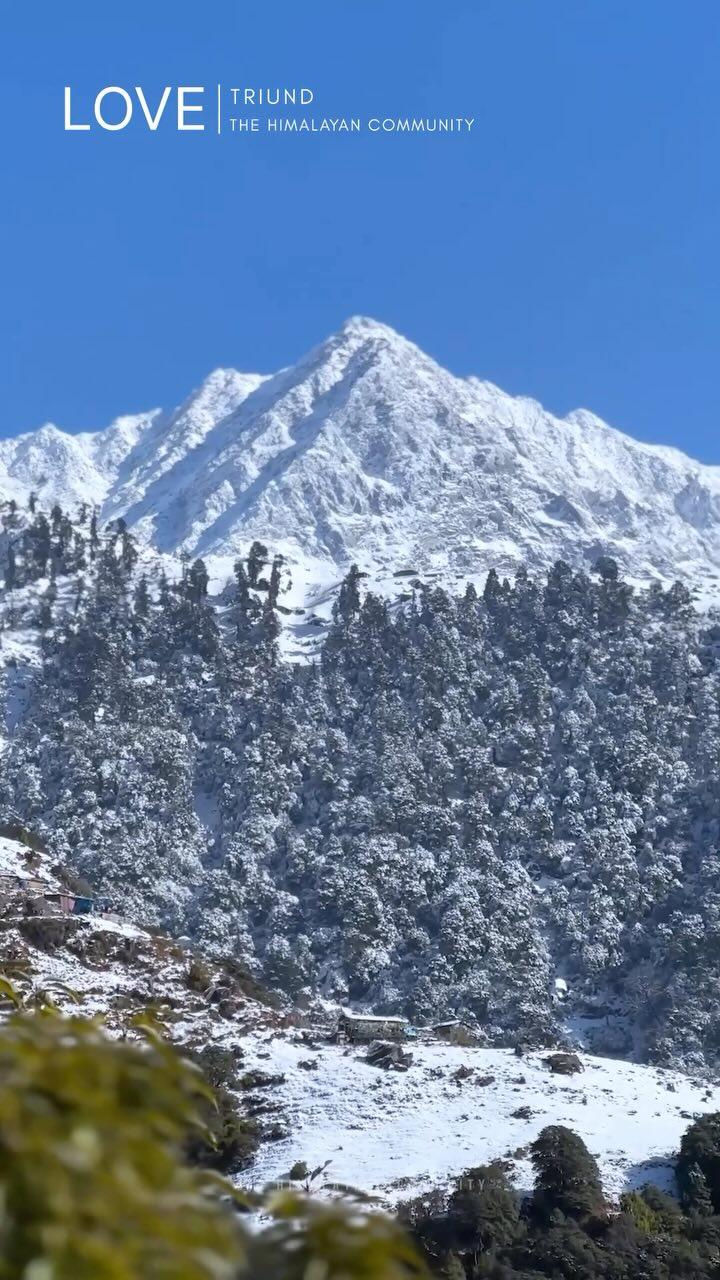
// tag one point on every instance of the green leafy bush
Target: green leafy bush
(313, 1241)
(91, 1181)
(94, 1183)
(230, 1140)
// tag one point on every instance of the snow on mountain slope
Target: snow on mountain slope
(67, 468)
(111, 467)
(168, 448)
(395, 1135)
(367, 450)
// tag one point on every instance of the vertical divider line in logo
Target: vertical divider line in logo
(219, 120)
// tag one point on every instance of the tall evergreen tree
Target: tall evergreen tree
(567, 1180)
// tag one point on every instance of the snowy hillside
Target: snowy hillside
(390, 1134)
(367, 450)
(98, 964)
(396, 1134)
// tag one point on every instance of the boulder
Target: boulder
(389, 1055)
(564, 1064)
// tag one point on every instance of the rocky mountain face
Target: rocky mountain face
(366, 450)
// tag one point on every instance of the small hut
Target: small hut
(12, 883)
(83, 906)
(62, 899)
(363, 1028)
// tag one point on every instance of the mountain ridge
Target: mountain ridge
(367, 450)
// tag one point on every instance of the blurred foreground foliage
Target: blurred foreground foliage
(94, 1183)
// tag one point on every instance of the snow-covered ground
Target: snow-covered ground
(388, 1133)
(17, 860)
(395, 1134)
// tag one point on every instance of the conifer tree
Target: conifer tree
(698, 1167)
(274, 586)
(11, 573)
(94, 540)
(257, 559)
(348, 602)
(566, 1176)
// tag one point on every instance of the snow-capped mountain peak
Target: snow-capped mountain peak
(367, 450)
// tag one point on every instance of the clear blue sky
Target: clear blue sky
(569, 249)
